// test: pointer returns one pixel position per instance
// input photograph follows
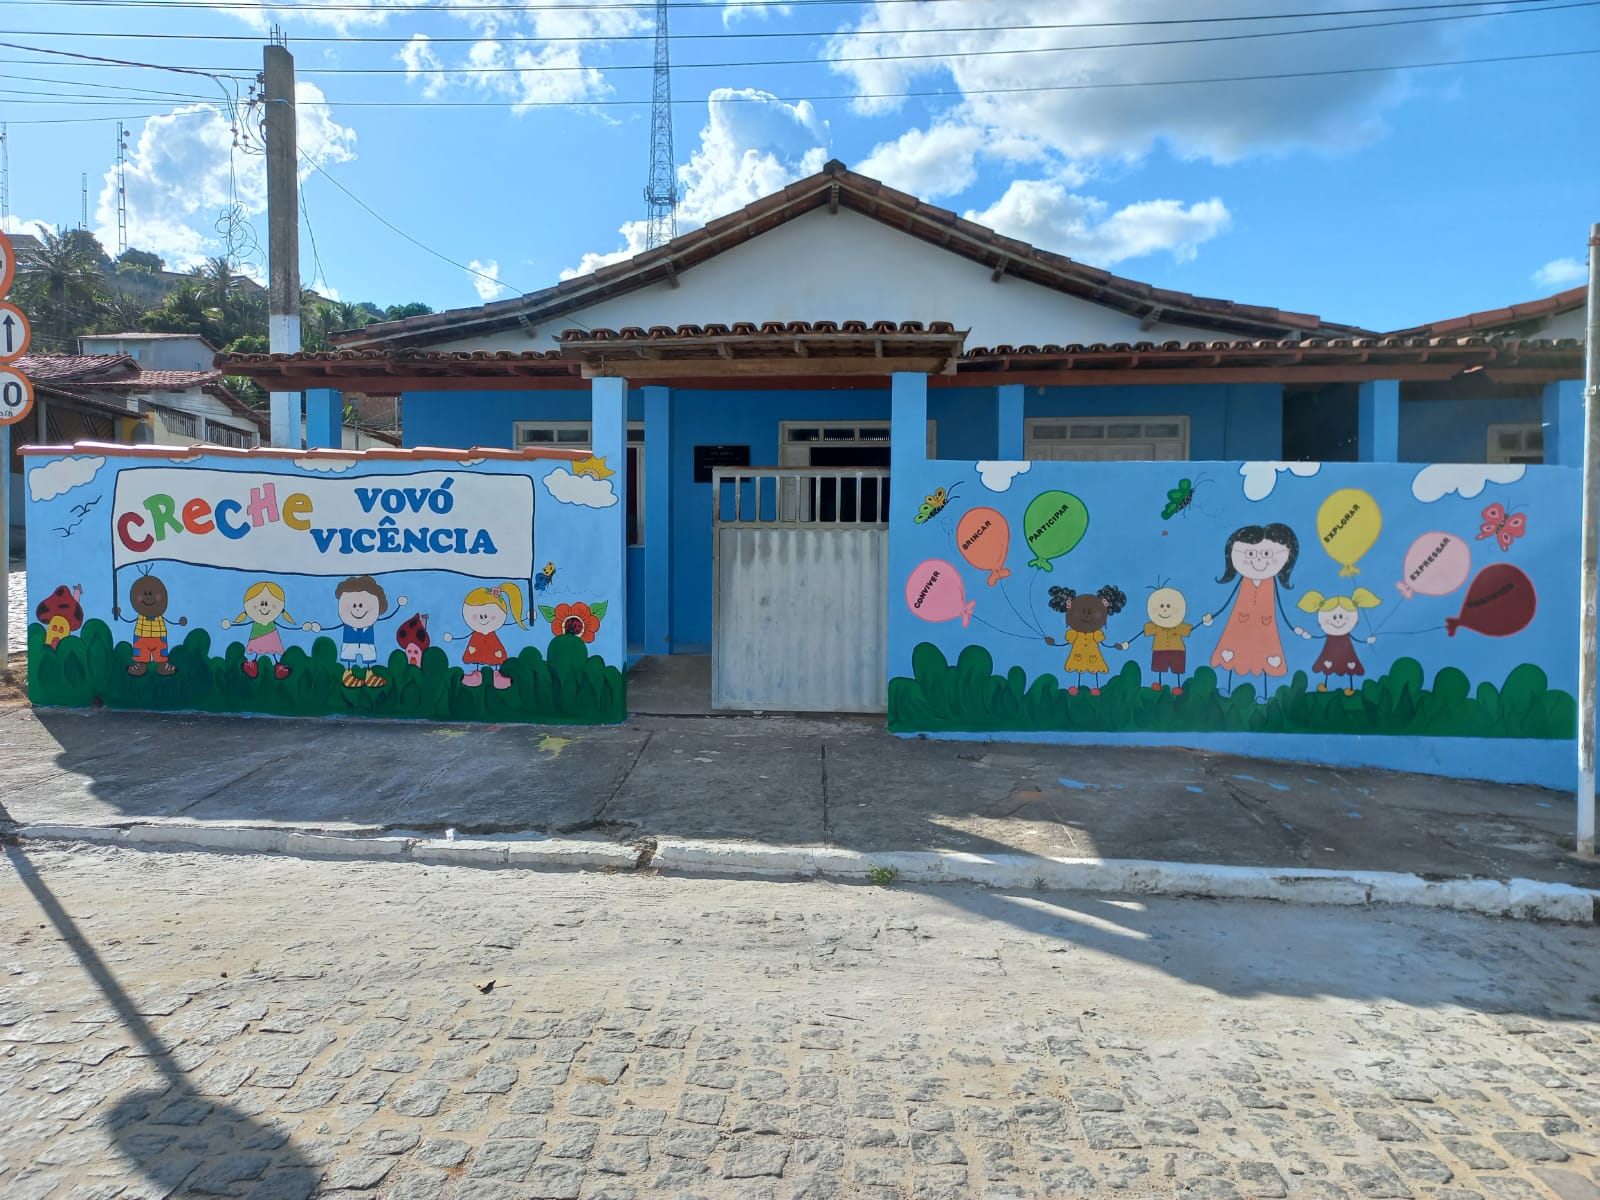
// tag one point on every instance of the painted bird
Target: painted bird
(543, 578)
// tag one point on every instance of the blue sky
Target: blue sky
(515, 138)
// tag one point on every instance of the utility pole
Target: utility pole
(1590, 579)
(122, 190)
(283, 228)
(661, 193)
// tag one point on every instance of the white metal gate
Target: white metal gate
(800, 567)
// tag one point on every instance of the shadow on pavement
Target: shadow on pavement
(172, 1136)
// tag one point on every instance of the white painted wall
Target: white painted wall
(1566, 325)
(844, 267)
(203, 407)
(177, 352)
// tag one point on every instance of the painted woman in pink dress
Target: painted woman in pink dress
(1258, 557)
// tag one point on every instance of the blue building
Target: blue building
(811, 337)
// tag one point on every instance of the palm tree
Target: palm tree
(61, 288)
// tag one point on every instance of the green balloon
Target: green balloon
(1054, 523)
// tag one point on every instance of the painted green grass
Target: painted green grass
(970, 698)
(564, 685)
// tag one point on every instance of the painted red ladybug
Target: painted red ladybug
(413, 638)
(60, 613)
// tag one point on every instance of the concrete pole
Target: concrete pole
(5, 547)
(283, 232)
(1590, 579)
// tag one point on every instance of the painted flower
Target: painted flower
(579, 619)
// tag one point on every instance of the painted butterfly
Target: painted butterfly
(933, 505)
(1503, 526)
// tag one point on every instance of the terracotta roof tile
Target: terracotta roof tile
(1499, 318)
(75, 367)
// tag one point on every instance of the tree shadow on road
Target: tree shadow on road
(170, 1136)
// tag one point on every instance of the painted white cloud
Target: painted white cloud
(178, 178)
(978, 51)
(997, 476)
(1261, 477)
(1044, 213)
(1468, 479)
(752, 145)
(335, 465)
(580, 489)
(485, 278)
(1561, 273)
(61, 476)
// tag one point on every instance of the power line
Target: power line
(513, 39)
(393, 228)
(644, 7)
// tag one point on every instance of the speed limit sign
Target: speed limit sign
(16, 396)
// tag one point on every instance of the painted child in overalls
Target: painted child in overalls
(362, 602)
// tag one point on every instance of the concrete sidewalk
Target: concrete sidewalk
(844, 784)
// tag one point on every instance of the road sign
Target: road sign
(16, 396)
(8, 264)
(15, 332)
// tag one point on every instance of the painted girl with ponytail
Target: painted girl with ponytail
(485, 610)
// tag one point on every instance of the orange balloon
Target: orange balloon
(984, 538)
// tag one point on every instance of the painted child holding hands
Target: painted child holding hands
(485, 610)
(1086, 630)
(265, 607)
(1166, 630)
(1337, 616)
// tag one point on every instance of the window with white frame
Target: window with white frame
(1106, 439)
(579, 435)
(1519, 442)
(219, 434)
(831, 443)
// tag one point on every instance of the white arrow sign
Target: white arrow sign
(15, 332)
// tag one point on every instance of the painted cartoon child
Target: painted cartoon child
(485, 610)
(1258, 557)
(265, 609)
(1086, 623)
(148, 595)
(1166, 630)
(362, 604)
(1338, 616)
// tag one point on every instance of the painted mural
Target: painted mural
(389, 584)
(1265, 597)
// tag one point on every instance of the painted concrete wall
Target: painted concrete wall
(1468, 669)
(389, 585)
(1457, 430)
(846, 266)
(1226, 421)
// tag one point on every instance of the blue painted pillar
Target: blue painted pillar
(1008, 406)
(324, 419)
(609, 438)
(657, 632)
(1563, 423)
(1378, 421)
(287, 411)
(908, 419)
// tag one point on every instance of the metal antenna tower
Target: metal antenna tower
(661, 193)
(83, 222)
(122, 191)
(5, 173)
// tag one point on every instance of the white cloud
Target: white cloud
(1044, 213)
(1561, 273)
(485, 278)
(753, 144)
(423, 66)
(1261, 477)
(178, 177)
(580, 489)
(24, 225)
(336, 465)
(997, 476)
(61, 475)
(1468, 479)
(928, 163)
(980, 51)
(732, 14)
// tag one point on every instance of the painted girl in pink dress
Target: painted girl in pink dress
(1259, 557)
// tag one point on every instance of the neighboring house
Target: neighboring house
(770, 336)
(154, 351)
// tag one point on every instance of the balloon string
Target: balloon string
(1413, 632)
(1034, 624)
(1026, 637)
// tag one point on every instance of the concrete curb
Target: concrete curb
(1515, 899)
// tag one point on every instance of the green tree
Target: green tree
(140, 260)
(399, 312)
(62, 288)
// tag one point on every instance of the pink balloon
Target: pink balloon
(935, 592)
(1436, 565)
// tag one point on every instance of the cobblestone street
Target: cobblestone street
(271, 1027)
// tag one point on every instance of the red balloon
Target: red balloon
(1500, 602)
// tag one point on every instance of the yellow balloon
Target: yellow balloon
(1348, 524)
